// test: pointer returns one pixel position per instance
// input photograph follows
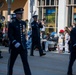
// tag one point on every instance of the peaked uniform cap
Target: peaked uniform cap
(19, 11)
(35, 16)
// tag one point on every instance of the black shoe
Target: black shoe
(31, 55)
(1, 57)
(43, 54)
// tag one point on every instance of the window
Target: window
(43, 2)
(49, 11)
(49, 14)
(39, 2)
(40, 13)
(57, 2)
(69, 1)
(69, 16)
(47, 2)
(52, 2)
(74, 1)
(74, 16)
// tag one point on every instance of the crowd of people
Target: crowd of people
(60, 42)
(3, 36)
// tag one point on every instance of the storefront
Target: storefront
(49, 9)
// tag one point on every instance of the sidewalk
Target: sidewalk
(58, 52)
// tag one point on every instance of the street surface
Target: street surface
(51, 64)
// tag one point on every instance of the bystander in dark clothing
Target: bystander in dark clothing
(72, 50)
(69, 42)
(16, 34)
(36, 42)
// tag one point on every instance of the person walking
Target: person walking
(72, 50)
(16, 35)
(36, 43)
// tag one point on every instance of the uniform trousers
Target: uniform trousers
(36, 44)
(13, 55)
(0, 53)
(71, 62)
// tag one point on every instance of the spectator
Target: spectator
(29, 41)
(73, 25)
(60, 41)
(70, 28)
(69, 42)
(66, 28)
(47, 42)
(67, 38)
(43, 29)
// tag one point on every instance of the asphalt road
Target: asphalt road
(51, 64)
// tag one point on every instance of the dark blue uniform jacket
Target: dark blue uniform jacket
(73, 39)
(16, 31)
(36, 30)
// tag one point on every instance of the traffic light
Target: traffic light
(11, 1)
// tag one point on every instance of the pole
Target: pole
(31, 9)
(9, 9)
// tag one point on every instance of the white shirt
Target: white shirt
(67, 37)
(43, 29)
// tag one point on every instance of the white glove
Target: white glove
(17, 44)
(13, 41)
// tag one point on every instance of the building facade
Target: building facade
(14, 5)
(58, 13)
